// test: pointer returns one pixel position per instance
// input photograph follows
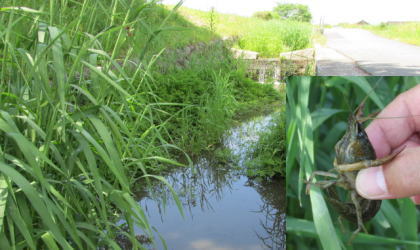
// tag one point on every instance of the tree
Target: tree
(296, 12)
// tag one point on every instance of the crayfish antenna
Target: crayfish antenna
(369, 117)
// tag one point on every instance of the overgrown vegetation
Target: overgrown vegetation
(405, 32)
(318, 110)
(87, 108)
(269, 155)
(269, 38)
(252, 97)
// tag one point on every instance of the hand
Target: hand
(401, 177)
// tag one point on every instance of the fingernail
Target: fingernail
(370, 183)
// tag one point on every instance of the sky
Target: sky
(331, 11)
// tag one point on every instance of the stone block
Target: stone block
(244, 54)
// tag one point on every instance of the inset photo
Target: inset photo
(352, 165)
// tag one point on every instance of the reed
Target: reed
(75, 131)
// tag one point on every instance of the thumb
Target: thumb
(397, 179)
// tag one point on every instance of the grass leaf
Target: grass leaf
(3, 199)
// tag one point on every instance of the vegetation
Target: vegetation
(88, 108)
(318, 36)
(295, 12)
(318, 109)
(217, 90)
(265, 15)
(405, 32)
(251, 96)
(269, 155)
(269, 38)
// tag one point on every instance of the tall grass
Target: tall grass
(270, 38)
(84, 116)
(318, 109)
(75, 130)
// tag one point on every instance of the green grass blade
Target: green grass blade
(23, 9)
(321, 115)
(58, 64)
(165, 160)
(363, 83)
(23, 225)
(117, 171)
(3, 199)
(36, 200)
(409, 217)
(322, 218)
(307, 228)
(392, 215)
(49, 241)
(292, 150)
(106, 78)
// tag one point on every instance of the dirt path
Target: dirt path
(359, 52)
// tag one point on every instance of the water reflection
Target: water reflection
(273, 208)
(224, 208)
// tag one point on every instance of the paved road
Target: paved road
(359, 52)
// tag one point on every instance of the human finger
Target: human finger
(416, 199)
(387, 134)
(397, 179)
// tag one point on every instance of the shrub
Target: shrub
(265, 15)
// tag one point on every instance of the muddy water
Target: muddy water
(223, 208)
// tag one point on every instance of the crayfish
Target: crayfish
(353, 153)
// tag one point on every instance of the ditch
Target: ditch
(224, 209)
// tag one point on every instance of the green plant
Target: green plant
(269, 38)
(318, 108)
(84, 116)
(268, 157)
(75, 130)
(215, 89)
(295, 12)
(265, 15)
(212, 20)
(273, 37)
(252, 97)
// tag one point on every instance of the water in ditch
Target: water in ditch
(224, 209)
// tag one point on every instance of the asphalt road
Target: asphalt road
(359, 52)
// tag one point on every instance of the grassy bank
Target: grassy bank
(88, 108)
(216, 91)
(268, 158)
(404, 32)
(318, 110)
(269, 38)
